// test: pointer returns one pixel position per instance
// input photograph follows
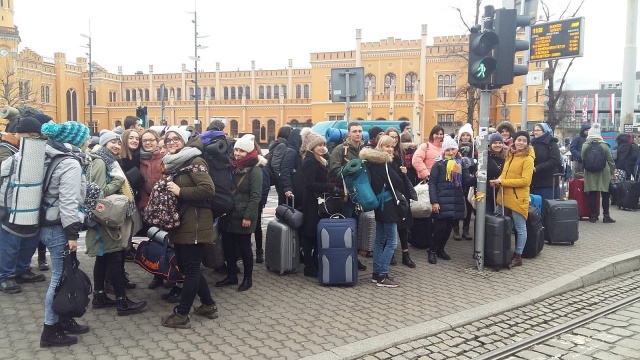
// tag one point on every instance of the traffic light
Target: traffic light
(141, 113)
(506, 24)
(482, 64)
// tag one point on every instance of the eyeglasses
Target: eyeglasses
(147, 141)
(172, 140)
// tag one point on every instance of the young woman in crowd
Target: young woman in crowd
(241, 223)
(427, 153)
(466, 149)
(315, 172)
(191, 184)
(448, 179)
(107, 174)
(497, 154)
(547, 162)
(598, 182)
(516, 179)
(507, 131)
(400, 167)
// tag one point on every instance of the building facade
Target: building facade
(408, 80)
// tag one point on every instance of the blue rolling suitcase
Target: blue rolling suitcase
(337, 251)
(536, 201)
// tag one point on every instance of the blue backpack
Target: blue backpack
(356, 181)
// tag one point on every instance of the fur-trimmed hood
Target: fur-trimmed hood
(410, 145)
(375, 156)
(508, 125)
(262, 161)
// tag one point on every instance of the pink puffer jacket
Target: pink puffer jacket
(424, 158)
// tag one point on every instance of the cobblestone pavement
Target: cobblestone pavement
(479, 337)
(291, 316)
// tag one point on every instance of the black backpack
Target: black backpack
(594, 159)
(216, 154)
(71, 297)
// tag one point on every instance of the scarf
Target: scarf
(454, 170)
(146, 155)
(540, 139)
(244, 164)
(173, 162)
(107, 156)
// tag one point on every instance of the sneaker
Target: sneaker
(375, 277)
(387, 282)
(177, 321)
(43, 266)
(361, 266)
(10, 286)
(30, 277)
(210, 311)
(173, 296)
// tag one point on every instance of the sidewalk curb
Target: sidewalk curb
(585, 276)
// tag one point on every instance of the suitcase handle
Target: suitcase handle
(293, 201)
(553, 184)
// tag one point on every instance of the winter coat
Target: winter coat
(598, 181)
(277, 149)
(576, 143)
(98, 240)
(512, 130)
(246, 200)
(292, 164)
(316, 182)
(627, 153)
(66, 190)
(495, 164)
(151, 171)
(547, 162)
(424, 158)
(196, 221)
(450, 197)
(396, 163)
(378, 163)
(516, 179)
(339, 158)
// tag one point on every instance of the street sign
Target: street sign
(505, 111)
(630, 128)
(355, 86)
(535, 77)
(557, 39)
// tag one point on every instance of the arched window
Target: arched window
(271, 130)
(225, 93)
(72, 105)
(141, 94)
(276, 92)
(268, 91)
(91, 95)
(234, 129)
(298, 91)
(308, 123)
(134, 94)
(146, 95)
(213, 93)
(179, 94)
(240, 88)
(261, 92)
(233, 93)
(389, 81)
(370, 83)
(127, 95)
(172, 92)
(255, 128)
(152, 123)
(306, 90)
(410, 82)
(381, 118)
(403, 118)
(284, 90)
(247, 91)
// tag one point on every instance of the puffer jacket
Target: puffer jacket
(547, 162)
(315, 183)
(246, 200)
(277, 149)
(599, 181)
(338, 157)
(627, 153)
(196, 221)
(450, 197)
(425, 157)
(151, 171)
(516, 180)
(291, 164)
(576, 143)
(378, 163)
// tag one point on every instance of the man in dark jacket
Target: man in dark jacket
(277, 149)
(547, 162)
(290, 178)
(576, 146)
(627, 154)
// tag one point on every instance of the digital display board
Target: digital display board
(557, 39)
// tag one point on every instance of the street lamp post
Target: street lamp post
(90, 84)
(196, 58)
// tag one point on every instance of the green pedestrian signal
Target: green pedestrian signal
(482, 64)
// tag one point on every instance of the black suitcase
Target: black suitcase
(628, 195)
(421, 233)
(535, 234)
(497, 240)
(561, 218)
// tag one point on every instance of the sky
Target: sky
(137, 33)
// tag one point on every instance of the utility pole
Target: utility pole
(90, 81)
(629, 66)
(196, 58)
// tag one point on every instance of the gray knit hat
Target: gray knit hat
(106, 136)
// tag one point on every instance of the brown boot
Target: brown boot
(516, 260)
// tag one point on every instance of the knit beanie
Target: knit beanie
(70, 132)
(184, 134)
(42, 118)
(28, 125)
(466, 129)
(374, 131)
(246, 143)
(313, 139)
(403, 125)
(495, 137)
(594, 131)
(522, 133)
(448, 143)
(106, 136)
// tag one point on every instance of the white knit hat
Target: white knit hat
(184, 134)
(466, 128)
(595, 130)
(246, 143)
(448, 143)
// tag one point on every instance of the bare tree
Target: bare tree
(554, 114)
(15, 91)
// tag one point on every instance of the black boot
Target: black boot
(42, 260)
(406, 260)
(361, 266)
(259, 256)
(128, 307)
(607, 219)
(127, 283)
(101, 300)
(70, 326)
(229, 280)
(53, 335)
(443, 255)
(431, 256)
(246, 284)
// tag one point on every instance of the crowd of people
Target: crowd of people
(130, 161)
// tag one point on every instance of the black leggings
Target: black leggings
(258, 233)
(231, 243)
(404, 238)
(441, 233)
(112, 263)
(593, 202)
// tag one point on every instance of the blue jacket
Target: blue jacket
(450, 198)
(576, 143)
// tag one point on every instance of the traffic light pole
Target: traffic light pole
(483, 157)
(525, 86)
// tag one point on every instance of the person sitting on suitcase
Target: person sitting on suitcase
(516, 179)
(448, 177)
(598, 181)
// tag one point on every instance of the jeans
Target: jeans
(189, 257)
(384, 246)
(520, 224)
(54, 238)
(16, 253)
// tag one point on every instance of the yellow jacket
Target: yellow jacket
(516, 180)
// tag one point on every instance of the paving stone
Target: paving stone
(549, 350)
(606, 337)
(531, 355)
(629, 353)
(605, 355)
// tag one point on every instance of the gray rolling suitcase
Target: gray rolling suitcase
(366, 231)
(282, 247)
(561, 219)
(497, 243)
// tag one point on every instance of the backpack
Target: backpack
(355, 175)
(71, 296)
(594, 159)
(217, 158)
(111, 211)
